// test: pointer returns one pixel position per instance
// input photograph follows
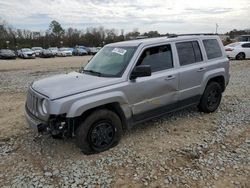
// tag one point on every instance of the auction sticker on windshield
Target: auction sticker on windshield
(119, 51)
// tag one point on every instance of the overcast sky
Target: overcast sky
(175, 16)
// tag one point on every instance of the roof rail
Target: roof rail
(174, 35)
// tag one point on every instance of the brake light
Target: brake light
(229, 49)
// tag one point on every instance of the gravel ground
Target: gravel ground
(183, 149)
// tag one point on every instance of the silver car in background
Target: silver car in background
(63, 52)
(37, 50)
(54, 50)
(26, 53)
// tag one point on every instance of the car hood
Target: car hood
(69, 84)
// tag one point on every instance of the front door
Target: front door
(156, 94)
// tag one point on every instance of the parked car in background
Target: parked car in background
(37, 50)
(63, 52)
(79, 51)
(7, 54)
(54, 50)
(238, 50)
(71, 49)
(85, 48)
(26, 53)
(93, 50)
(46, 53)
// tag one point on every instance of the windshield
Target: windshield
(36, 48)
(53, 48)
(110, 61)
(26, 50)
(64, 49)
(5, 51)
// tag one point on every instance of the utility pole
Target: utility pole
(216, 28)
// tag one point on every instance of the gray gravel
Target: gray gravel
(40, 161)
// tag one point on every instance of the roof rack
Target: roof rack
(174, 35)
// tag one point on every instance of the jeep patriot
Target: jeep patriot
(126, 83)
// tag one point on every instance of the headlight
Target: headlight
(44, 106)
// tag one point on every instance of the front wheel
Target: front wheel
(211, 98)
(100, 131)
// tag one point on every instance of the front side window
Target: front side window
(212, 48)
(110, 61)
(159, 58)
(189, 52)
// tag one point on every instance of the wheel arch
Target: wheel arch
(114, 107)
(219, 79)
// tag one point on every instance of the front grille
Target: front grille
(32, 103)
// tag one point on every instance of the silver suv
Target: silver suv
(126, 83)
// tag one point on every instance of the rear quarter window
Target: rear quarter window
(212, 48)
(246, 45)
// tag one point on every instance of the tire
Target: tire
(240, 56)
(211, 98)
(100, 131)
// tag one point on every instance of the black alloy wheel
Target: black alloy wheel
(100, 131)
(211, 98)
(101, 135)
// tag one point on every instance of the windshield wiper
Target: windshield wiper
(93, 72)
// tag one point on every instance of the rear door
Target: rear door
(191, 71)
(246, 49)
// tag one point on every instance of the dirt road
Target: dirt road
(184, 149)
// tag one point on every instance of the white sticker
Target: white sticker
(119, 51)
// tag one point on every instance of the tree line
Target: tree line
(55, 35)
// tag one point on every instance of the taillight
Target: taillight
(229, 49)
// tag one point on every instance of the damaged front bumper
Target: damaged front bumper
(34, 122)
(54, 126)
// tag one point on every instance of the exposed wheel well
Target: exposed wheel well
(114, 107)
(220, 80)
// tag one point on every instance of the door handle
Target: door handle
(201, 69)
(170, 77)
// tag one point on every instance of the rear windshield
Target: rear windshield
(5, 51)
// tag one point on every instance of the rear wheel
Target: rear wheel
(211, 98)
(100, 131)
(241, 56)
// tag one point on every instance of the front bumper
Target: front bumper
(34, 122)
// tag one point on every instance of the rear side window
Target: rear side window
(247, 45)
(212, 48)
(159, 58)
(189, 52)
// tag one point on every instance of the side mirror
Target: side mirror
(140, 71)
